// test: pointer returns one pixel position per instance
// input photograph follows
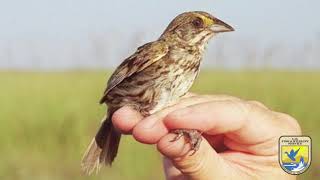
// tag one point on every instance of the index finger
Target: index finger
(152, 128)
(240, 121)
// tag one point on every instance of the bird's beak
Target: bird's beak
(219, 26)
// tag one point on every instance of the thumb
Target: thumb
(201, 165)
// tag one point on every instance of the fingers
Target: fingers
(171, 172)
(149, 130)
(247, 127)
(243, 122)
(194, 166)
(210, 114)
(213, 117)
(125, 119)
(173, 149)
(152, 128)
(227, 122)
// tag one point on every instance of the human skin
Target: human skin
(240, 138)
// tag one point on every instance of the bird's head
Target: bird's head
(195, 27)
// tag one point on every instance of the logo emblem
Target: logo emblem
(295, 154)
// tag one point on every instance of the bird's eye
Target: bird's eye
(198, 22)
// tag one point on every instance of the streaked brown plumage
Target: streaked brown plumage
(154, 77)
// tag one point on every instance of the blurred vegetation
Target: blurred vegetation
(48, 119)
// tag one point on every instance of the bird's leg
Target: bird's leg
(194, 137)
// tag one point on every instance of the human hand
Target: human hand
(240, 137)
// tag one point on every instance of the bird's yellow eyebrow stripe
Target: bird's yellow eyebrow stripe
(206, 20)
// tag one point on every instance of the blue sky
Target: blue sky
(270, 19)
(66, 33)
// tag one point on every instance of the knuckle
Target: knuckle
(291, 123)
(242, 107)
(222, 97)
(257, 103)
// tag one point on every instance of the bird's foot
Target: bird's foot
(194, 138)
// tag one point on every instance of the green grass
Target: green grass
(48, 119)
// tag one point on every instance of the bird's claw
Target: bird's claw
(194, 138)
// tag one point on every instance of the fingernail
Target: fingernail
(148, 122)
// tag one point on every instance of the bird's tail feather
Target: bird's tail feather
(103, 148)
(91, 158)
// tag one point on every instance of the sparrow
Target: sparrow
(156, 76)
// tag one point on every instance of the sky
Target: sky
(272, 18)
(287, 21)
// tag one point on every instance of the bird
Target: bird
(292, 155)
(156, 76)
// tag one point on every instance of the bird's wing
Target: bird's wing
(291, 152)
(142, 58)
(296, 152)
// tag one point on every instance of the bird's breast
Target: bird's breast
(182, 70)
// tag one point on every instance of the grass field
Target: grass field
(47, 120)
